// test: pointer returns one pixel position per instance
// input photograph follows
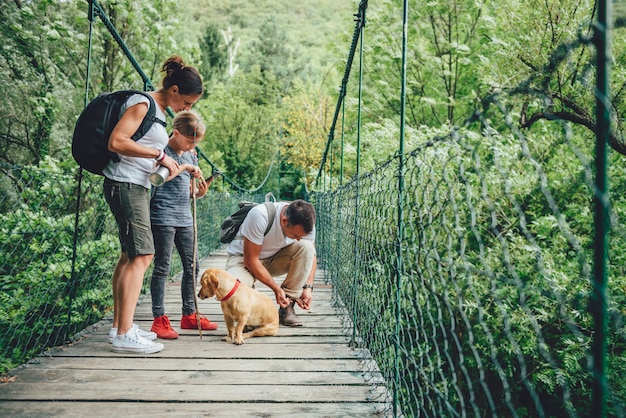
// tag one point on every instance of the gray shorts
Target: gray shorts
(130, 205)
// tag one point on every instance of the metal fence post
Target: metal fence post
(598, 302)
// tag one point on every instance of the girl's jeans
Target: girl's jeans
(165, 237)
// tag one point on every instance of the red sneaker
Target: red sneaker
(189, 322)
(161, 326)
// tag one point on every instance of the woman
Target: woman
(127, 191)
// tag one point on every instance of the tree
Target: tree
(39, 65)
(273, 54)
(547, 63)
(462, 55)
(44, 63)
(305, 130)
(242, 130)
(214, 56)
(443, 72)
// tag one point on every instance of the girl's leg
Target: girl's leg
(184, 245)
(164, 244)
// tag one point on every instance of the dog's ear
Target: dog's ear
(205, 286)
(213, 281)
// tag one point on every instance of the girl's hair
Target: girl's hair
(187, 78)
(189, 124)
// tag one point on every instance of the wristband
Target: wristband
(161, 156)
(308, 286)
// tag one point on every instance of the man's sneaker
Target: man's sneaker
(189, 322)
(161, 326)
(131, 343)
(145, 334)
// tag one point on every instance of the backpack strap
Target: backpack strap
(149, 119)
(271, 215)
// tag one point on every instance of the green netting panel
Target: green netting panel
(497, 256)
(41, 303)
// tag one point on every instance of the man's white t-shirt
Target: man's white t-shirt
(253, 228)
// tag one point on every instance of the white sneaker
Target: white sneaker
(132, 343)
(148, 335)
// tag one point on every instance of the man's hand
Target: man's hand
(281, 297)
(305, 300)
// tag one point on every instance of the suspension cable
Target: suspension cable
(360, 22)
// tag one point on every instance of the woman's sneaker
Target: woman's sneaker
(148, 335)
(131, 343)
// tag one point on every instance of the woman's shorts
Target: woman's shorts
(130, 204)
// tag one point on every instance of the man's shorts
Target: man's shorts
(130, 204)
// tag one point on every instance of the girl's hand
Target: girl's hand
(202, 187)
(195, 171)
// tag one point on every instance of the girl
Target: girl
(172, 224)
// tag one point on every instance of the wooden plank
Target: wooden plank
(262, 392)
(195, 377)
(173, 364)
(206, 348)
(204, 407)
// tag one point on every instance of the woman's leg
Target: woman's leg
(128, 290)
(117, 273)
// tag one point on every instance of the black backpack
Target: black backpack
(90, 142)
(230, 225)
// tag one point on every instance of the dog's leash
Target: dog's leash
(195, 254)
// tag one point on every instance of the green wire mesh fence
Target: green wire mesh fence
(497, 259)
(42, 304)
(483, 304)
(59, 244)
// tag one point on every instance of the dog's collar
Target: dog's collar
(232, 291)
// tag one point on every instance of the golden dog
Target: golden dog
(240, 304)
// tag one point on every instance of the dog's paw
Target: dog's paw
(227, 339)
(238, 341)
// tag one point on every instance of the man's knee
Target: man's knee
(242, 274)
(306, 248)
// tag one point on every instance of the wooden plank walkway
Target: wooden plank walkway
(308, 371)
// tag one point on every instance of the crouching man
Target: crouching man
(287, 248)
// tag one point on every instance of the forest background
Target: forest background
(273, 70)
(266, 64)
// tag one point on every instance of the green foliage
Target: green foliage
(242, 128)
(44, 58)
(32, 74)
(214, 56)
(306, 28)
(273, 55)
(46, 299)
(461, 54)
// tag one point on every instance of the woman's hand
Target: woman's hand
(170, 164)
